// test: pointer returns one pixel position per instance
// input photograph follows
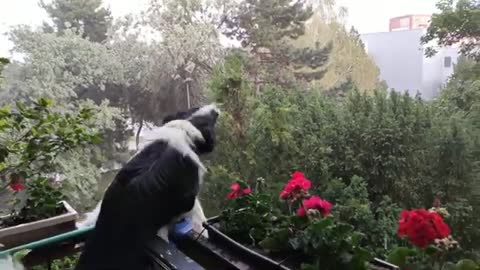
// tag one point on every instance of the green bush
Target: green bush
(374, 153)
(32, 137)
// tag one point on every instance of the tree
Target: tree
(86, 15)
(266, 27)
(348, 63)
(3, 62)
(189, 41)
(458, 23)
(61, 68)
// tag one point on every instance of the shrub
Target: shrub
(32, 136)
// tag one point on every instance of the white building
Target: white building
(403, 65)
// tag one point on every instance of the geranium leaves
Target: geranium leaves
(399, 255)
(276, 240)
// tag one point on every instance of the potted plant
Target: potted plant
(294, 230)
(31, 137)
(430, 244)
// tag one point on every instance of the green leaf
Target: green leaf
(399, 256)
(4, 111)
(19, 255)
(296, 243)
(431, 250)
(466, 264)
(448, 266)
(45, 102)
(320, 225)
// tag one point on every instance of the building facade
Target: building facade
(403, 65)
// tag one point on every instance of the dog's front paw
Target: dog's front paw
(163, 233)
(198, 227)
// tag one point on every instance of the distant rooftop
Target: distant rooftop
(410, 22)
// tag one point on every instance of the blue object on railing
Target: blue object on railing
(180, 230)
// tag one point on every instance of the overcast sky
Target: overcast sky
(366, 15)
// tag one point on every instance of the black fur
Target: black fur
(155, 187)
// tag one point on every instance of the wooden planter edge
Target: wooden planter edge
(70, 215)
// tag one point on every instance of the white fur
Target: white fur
(179, 134)
(90, 217)
(7, 263)
(205, 110)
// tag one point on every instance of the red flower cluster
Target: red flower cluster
(237, 191)
(315, 203)
(422, 227)
(16, 184)
(17, 187)
(296, 187)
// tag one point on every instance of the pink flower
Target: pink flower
(296, 187)
(237, 191)
(314, 203)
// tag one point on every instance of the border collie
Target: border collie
(156, 188)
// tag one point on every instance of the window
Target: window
(447, 61)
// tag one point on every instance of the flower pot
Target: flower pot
(36, 230)
(250, 256)
(261, 261)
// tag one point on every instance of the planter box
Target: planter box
(260, 261)
(248, 255)
(25, 233)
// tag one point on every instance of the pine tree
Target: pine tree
(265, 27)
(88, 15)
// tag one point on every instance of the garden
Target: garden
(318, 164)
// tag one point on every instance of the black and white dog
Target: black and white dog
(156, 188)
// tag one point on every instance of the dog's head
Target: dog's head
(204, 120)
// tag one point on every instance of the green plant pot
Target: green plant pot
(28, 232)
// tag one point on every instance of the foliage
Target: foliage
(370, 155)
(250, 224)
(259, 220)
(348, 59)
(353, 206)
(42, 202)
(430, 258)
(3, 62)
(338, 242)
(89, 17)
(461, 94)
(458, 23)
(32, 136)
(65, 263)
(265, 28)
(59, 67)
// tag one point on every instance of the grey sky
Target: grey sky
(366, 15)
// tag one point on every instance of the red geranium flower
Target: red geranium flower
(297, 186)
(17, 187)
(315, 203)
(422, 227)
(16, 184)
(237, 191)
